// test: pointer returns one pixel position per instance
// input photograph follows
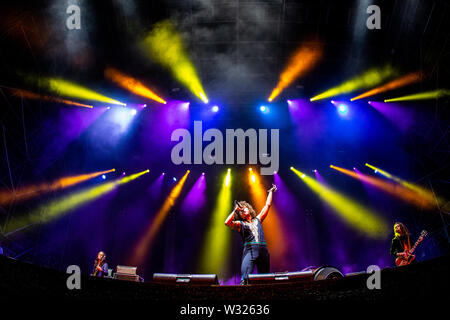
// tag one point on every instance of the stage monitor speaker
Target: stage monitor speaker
(278, 277)
(327, 272)
(352, 274)
(126, 270)
(193, 279)
(126, 277)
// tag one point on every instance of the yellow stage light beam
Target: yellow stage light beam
(69, 89)
(368, 79)
(355, 215)
(272, 226)
(35, 96)
(216, 249)
(436, 94)
(427, 196)
(63, 205)
(394, 84)
(23, 193)
(396, 190)
(303, 60)
(132, 84)
(143, 248)
(165, 45)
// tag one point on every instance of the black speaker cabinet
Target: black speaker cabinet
(278, 277)
(327, 272)
(193, 279)
(126, 277)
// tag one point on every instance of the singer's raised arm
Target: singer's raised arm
(265, 211)
(229, 221)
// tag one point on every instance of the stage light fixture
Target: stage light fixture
(215, 108)
(343, 109)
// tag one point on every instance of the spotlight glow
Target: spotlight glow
(397, 83)
(215, 108)
(165, 45)
(23, 193)
(303, 60)
(132, 85)
(144, 245)
(73, 90)
(60, 206)
(274, 230)
(436, 94)
(360, 218)
(342, 109)
(368, 79)
(216, 249)
(31, 95)
(420, 196)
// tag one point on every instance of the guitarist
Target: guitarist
(100, 266)
(401, 243)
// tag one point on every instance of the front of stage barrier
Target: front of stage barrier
(193, 279)
(278, 277)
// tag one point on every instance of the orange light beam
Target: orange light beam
(396, 190)
(303, 60)
(144, 245)
(132, 84)
(35, 96)
(39, 189)
(272, 225)
(394, 84)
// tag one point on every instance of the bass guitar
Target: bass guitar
(405, 260)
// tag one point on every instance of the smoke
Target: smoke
(234, 45)
(70, 46)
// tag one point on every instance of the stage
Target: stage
(425, 281)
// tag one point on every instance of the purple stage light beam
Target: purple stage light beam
(196, 198)
(398, 115)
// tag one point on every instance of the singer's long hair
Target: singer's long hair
(405, 231)
(250, 208)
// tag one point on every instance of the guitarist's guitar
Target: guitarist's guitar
(403, 261)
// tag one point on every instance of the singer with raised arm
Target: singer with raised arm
(244, 220)
(100, 266)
